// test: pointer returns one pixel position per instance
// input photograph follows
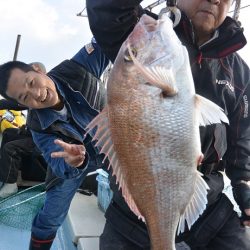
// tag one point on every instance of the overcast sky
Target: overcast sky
(51, 32)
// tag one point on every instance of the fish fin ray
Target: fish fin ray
(102, 138)
(209, 111)
(196, 205)
(156, 76)
(163, 79)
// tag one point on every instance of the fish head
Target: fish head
(154, 43)
(152, 54)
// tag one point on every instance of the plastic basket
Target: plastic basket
(104, 193)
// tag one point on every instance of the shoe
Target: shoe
(37, 244)
(8, 189)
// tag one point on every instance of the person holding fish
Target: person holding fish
(148, 129)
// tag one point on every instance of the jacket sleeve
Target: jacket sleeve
(238, 153)
(111, 21)
(45, 143)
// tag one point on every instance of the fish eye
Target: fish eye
(127, 57)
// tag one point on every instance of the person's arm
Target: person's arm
(92, 58)
(111, 21)
(238, 154)
(63, 158)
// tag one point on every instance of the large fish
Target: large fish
(149, 130)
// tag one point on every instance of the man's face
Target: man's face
(206, 15)
(32, 89)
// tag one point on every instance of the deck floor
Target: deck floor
(81, 229)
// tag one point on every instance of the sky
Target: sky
(52, 32)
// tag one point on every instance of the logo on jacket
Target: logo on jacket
(226, 83)
(245, 115)
(89, 48)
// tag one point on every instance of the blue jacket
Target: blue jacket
(71, 78)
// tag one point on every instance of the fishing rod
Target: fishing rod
(170, 3)
(80, 13)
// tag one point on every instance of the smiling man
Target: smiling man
(61, 104)
(36, 90)
(212, 40)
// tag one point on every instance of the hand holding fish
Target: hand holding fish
(73, 154)
(247, 222)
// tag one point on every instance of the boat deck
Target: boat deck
(81, 229)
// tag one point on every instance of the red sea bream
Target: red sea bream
(149, 130)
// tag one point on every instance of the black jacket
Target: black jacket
(219, 74)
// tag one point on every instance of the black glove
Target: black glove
(244, 217)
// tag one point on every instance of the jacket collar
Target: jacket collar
(230, 38)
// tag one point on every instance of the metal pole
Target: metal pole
(17, 47)
(237, 10)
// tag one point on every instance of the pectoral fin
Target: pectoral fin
(209, 111)
(157, 76)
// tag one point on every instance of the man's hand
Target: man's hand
(247, 222)
(73, 154)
